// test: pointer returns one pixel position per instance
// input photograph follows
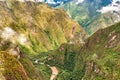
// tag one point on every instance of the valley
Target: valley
(39, 42)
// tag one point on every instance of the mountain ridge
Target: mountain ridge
(35, 37)
(90, 14)
(29, 29)
(97, 59)
(29, 21)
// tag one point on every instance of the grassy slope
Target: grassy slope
(97, 59)
(100, 21)
(78, 12)
(11, 68)
(64, 58)
(82, 13)
(31, 70)
(100, 56)
(45, 28)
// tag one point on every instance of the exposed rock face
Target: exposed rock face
(113, 40)
(90, 69)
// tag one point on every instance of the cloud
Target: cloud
(30, 0)
(7, 33)
(79, 1)
(50, 2)
(22, 39)
(114, 6)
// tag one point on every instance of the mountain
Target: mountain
(102, 21)
(91, 13)
(97, 59)
(29, 29)
(38, 42)
(86, 9)
(29, 25)
(9, 71)
(52, 3)
(14, 69)
(55, 3)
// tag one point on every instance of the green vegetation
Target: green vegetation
(97, 59)
(30, 69)
(45, 71)
(63, 58)
(44, 28)
(12, 68)
(47, 33)
(36, 30)
(87, 16)
(99, 55)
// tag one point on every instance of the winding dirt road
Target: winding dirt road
(53, 69)
(54, 72)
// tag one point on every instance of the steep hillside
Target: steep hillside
(64, 59)
(11, 68)
(34, 39)
(102, 21)
(29, 29)
(89, 16)
(84, 11)
(37, 27)
(99, 58)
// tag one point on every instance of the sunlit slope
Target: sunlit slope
(37, 27)
(99, 58)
